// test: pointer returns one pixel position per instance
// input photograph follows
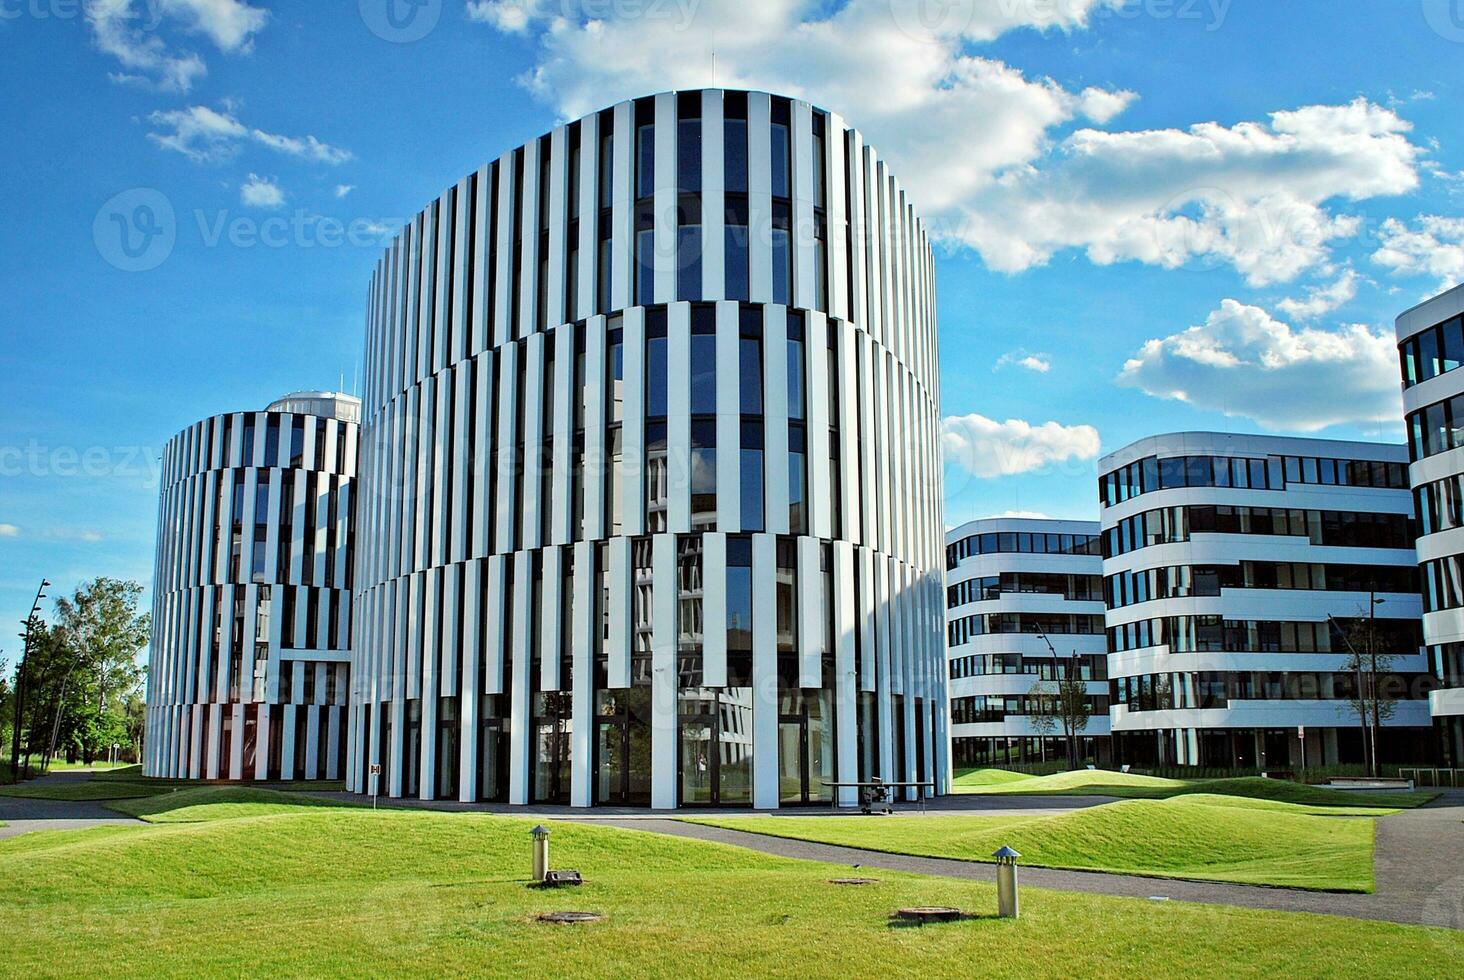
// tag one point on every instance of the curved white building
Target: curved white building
(249, 666)
(1431, 350)
(1224, 556)
(651, 474)
(1024, 606)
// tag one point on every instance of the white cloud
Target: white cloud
(986, 448)
(981, 144)
(129, 31)
(1434, 248)
(203, 134)
(261, 192)
(1321, 299)
(1029, 515)
(117, 29)
(1243, 362)
(9, 531)
(343, 189)
(1252, 195)
(1041, 363)
(229, 24)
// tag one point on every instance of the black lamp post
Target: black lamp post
(29, 625)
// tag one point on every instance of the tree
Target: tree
(1375, 687)
(134, 710)
(1061, 703)
(81, 671)
(1374, 697)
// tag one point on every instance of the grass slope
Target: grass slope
(81, 789)
(1102, 782)
(339, 891)
(1204, 837)
(967, 778)
(203, 803)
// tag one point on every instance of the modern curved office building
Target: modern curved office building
(248, 671)
(1024, 609)
(651, 471)
(1431, 351)
(1239, 570)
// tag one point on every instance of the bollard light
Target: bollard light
(1006, 882)
(541, 851)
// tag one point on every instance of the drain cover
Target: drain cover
(930, 913)
(570, 918)
(853, 881)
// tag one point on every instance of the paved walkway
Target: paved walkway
(1418, 867)
(23, 815)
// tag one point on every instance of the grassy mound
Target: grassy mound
(1204, 837)
(203, 803)
(1103, 782)
(986, 777)
(322, 890)
(81, 789)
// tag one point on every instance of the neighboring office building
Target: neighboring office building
(1013, 586)
(1431, 349)
(249, 664)
(651, 472)
(1224, 556)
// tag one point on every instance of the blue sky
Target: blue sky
(1135, 199)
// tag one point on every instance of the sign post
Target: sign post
(375, 782)
(1301, 734)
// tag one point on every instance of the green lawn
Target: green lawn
(329, 890)
(81, 789)
(1207, 837)
(968, 778)
(204, 803)
(1103, 782)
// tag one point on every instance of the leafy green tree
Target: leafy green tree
(90, 668)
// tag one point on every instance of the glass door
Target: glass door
(698, 760)
(793, 758)
(623, 748)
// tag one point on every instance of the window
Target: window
(782, 253)
(615, 414)
(739, 594)
(750, 367)
(781, 149)
(689, 143)
(735, 248)
(795, 366)
(703, 474)
(645, 150)
(797, 479)
(751, 476)
(703, 359)
(734, 142)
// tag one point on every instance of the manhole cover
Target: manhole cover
(570, 918)
(929, 913)
(853, 881)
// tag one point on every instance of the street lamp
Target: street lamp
(29, 624)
